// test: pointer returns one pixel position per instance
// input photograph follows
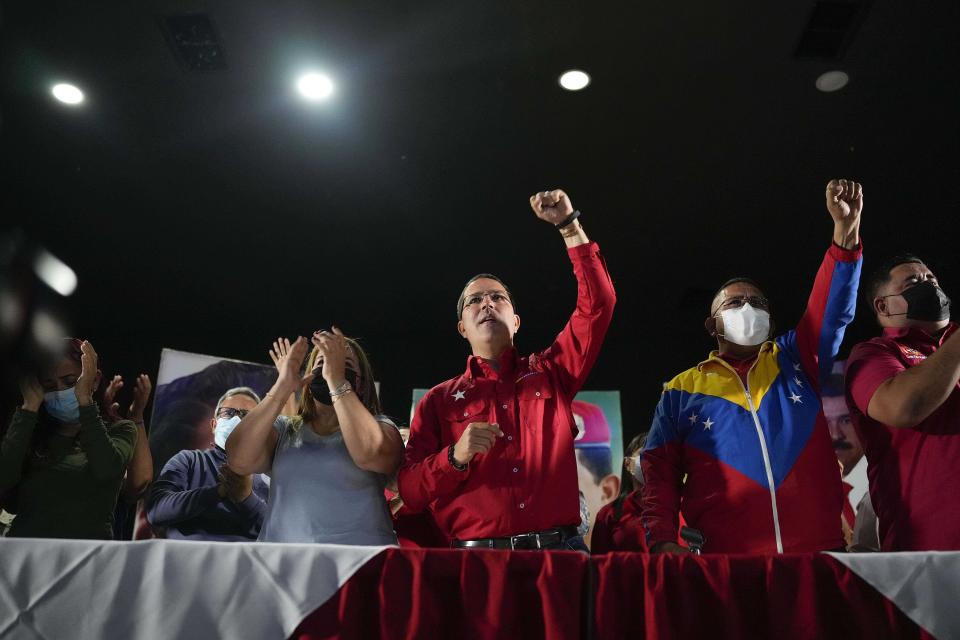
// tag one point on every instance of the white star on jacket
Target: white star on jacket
(459, 395)
(693, 419)
(707, 424)
(797, 381)
(795, 398)
(796, 366)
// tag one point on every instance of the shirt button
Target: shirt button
(509, 437)
(515, 469)
(504, 406)
(465, 414)
(538, 394)
(522, 505)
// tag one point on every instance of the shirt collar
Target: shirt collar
(919, 334)
(715, 354)
(478, 368)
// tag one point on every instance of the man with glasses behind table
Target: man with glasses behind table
(740, 440)
(198, 497)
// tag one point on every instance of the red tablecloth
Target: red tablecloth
(494, 594)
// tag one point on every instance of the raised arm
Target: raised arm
(372, 446)
(140, 471)
(108, 450)
(250, 446)
(16, 442)
(832, 302)
(577, 346)
(901, 397)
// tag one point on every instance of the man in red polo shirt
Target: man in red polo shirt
(902, 391)
(491, 450)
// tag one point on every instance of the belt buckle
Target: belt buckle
(517, 538)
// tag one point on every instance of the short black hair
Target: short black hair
(597, 460)
(881, 275)
(488, 276)
(736, 280)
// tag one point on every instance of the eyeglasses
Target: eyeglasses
(230, 412)
(476, 298)
(735, 302)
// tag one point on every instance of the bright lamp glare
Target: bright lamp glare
(832, 81)
(315, 86)
(67, 93)
(57, 275)
(574, 80)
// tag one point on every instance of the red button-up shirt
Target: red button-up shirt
(914, 472)
(528, 481)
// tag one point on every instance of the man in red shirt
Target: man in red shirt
(902, 390)
(491, 450)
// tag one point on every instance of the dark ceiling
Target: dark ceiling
(212, 211)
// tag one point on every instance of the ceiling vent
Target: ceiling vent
(831, 28)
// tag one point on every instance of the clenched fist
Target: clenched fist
(552, 206)
(845, 204)
(478, 437)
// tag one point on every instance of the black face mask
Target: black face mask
(926, 301)
(321, 390)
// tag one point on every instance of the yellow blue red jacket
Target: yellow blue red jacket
(761, 475)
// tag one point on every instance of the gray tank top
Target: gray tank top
(318, 494)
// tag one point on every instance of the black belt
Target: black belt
(534, 540)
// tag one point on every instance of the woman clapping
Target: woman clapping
(329, 464)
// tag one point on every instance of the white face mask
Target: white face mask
(745, 326)
(224, 428)
(637, 472)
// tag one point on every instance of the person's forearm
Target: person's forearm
(15, 446)
(908, 398)
(248, 445)
(140, 470)
(108, 452)
(574, 235)
(369, 446)
(169, 505)
(847, 236)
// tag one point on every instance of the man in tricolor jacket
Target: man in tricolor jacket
(739, 442)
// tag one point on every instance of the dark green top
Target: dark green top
(69, 489)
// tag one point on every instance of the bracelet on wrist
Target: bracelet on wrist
(571, 231)
(453, 461)
(569, 219)
(335, 398)
(342, 388)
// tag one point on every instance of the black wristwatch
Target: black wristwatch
(453, 461)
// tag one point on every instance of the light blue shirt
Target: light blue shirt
(318, 494)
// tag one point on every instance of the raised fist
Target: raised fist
(845, 201)
(552, 206)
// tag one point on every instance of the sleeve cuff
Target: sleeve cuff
(582, 251)
(840, 254)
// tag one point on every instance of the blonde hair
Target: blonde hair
(367, 392)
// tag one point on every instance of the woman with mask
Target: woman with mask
(63, 464)
(617, 526)
(329, 464)
(197, 496)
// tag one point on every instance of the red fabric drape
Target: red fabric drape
(421, 593)
(440, 593)
(664, 597)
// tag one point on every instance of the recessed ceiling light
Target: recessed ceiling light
(832, 81)
(574, 80)
(67, 93)
(315, 86)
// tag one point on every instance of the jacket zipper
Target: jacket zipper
(763, 450)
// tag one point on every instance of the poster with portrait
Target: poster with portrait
(188, 387)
